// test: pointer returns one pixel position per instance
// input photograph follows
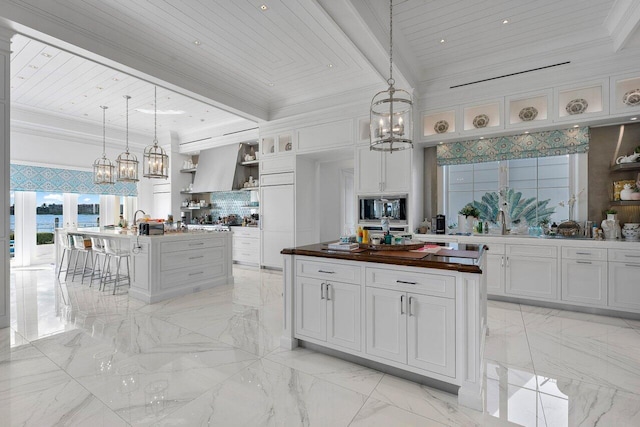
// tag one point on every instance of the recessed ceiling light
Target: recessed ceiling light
(442, 40)
(506, 21)
(264, 7)
(115, 79)
(271, 84)
(482, 137)
(526, 131)
(441, 142)
(330, 65)
(576, 126)
(20, 77)
(197, 42)
(162, 112)
(633, 118)
(99, 87)
(35, 67)
(46, 55)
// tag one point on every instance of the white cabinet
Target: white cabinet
(276, 144)
(328, 311)
(584, 276)
(624, 282)
(531, 271)
(495, 269)
(386, 324)
(415, 327)
(246, 245)
(276, 218)
(381, 172)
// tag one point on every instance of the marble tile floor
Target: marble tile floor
(80, 357)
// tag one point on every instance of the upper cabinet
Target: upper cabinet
(585, 100)
(382, 172)
(482, 117)
(439, 122)
(281, 143)
(625, 94)
(325, 136)
(528, 110)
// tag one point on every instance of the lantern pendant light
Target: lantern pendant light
(127, 163)
(103, 169)
(155, 161)
(391, 113)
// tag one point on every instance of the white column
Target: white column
(109, 210)
(69, 209)
(25, 227)
(5, 60)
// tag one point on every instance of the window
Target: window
(535, 190)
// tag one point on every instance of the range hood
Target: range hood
(216, 169)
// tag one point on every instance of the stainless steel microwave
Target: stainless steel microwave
(373, 208)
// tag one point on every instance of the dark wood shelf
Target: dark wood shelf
(625, 203)
(625, 167)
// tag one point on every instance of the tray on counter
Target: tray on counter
(381, 247)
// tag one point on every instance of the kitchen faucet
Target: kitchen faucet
(135, 224)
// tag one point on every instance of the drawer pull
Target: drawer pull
(583, 253)
(322, 290)
(196, 244)
(404, 282)
(327, 292)
(326, 272)
(410, 301)
(632, 265)
(195, 274)
(196, 257)
(583, 262)
(632, 256)
(246, 243)
(401, 304)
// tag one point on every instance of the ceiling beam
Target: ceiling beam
(622, 22)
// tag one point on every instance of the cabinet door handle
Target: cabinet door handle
(507, 262)
(322, 290)
(501, 261)
(583, 253)
(583, 262)
(328, 290)
(632, 265)
(326, 272)
(410, 310)
(401, 304)
(196, 257)
(195, 274)
(196, 244)
(632, 256)
(404, 282)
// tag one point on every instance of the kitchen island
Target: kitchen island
(168, 265)
(421, 315)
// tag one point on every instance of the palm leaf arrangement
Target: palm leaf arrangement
(528, 209)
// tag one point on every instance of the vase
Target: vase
(465, 223)
(631, 231)
(611, 228)
(626, 193)
(612, 217)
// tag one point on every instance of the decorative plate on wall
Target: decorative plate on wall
(441, 126)
(528, 113)
(577, 106)
(287, 147)
(632, 98)
(480, 121)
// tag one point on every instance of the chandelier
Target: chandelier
(127, 163)
(156, 161)
(391, 115)
(103, 170)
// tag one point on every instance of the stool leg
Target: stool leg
(115, 284)
(75, 266)
(84, 266)
(66, 273)
(64, 251)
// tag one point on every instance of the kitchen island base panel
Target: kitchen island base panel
(458, 367)
(177, 292)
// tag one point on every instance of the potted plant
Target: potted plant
(612, 214)
(466, 218)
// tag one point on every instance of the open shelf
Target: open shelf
(625, 203)
(249, 189)
(190, 170)
(625, 167)
(196, 207)
(251, 163)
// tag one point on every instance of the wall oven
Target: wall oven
(373, 208)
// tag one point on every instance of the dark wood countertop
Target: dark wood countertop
(460, 257)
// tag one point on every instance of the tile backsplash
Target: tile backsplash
(230, 202)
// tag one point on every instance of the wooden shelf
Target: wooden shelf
(625, 167)
(625, 203)
(250, 163)
(196, 207)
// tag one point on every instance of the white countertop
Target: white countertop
(128, 233)
(531, 240)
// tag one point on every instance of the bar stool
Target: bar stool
(78, 243)
(114, 252)
(98, 250)
(67, 249)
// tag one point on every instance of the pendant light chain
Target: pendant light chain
(104, 134)
(391, 81)
(155, 114)
(127, 134)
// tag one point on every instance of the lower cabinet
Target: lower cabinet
(495, 274)
(328, 311)
(584, 281)
(624, 285)
(531, 271)
(415, 329)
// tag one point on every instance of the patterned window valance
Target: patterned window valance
(538, 144)
(36, 178)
